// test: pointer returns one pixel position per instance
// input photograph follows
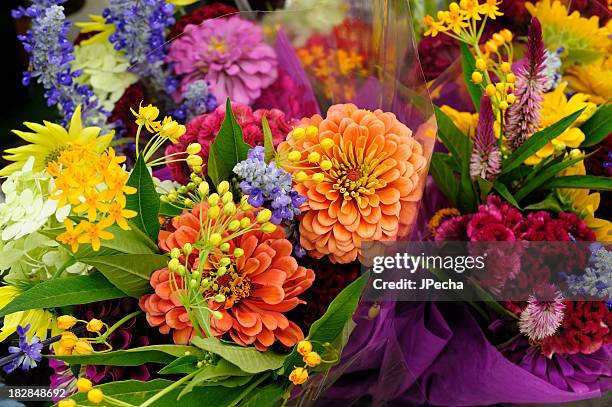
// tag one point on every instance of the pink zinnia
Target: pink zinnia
(229, 53)
(541, 318)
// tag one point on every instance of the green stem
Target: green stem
(117, 402)
(248, 390)
(119, 323)
(63, 268)
(169, 389)
(137, 139)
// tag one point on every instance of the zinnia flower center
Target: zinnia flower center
(352, 181)
(232, 285)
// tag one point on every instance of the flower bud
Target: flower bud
(67, 403)
(187, 248)
(298, 376)
(233, 225)
(181, 270)
(294, 156)
(314, 157)
(301, 176)
(312, 359)
(68, 340)
(454, 7)
(244, 203)
(268, 227)
(476, 77)
(193, 283)
(227, 197)
(298, 133)
(503, 105)
(510, 78)
(219, 298)
(499, 39)
(304, 347)
(175, 253)
(83, 385)
(491, 46)
(223, 187)
(481, 64)
(238, 252)
(312, 131)
(224, 262)
(245, 223)
(95, 396)
(318, 177)
(575, 153)
(199, 364)
(82, 347)
(326, 165)
(193, 148)
(217, 315)
(66, 321)
(213, 212)
(264, 215)
(95, 325)
(490, 90)
(215, 239)
(204, 188)
(559, 145)
(221, 271)
(213, 199)
(505, 67)
(511, 98)
(173, 265)
(229, 208)
(507, 34)
(327, 143)
(224, 247)
(194, 161)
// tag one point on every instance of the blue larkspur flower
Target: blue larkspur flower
(268, 186)
(30, 351)
(596, 281)
(196, 101)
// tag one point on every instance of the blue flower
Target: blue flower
(268, 186)
(29, 352)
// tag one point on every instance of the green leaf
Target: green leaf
(485, 186)
(228, 149)
(468, 63)
(545, 174)
(550, 203)
(133, 357)
(136, 392)
(333, 322)
(64, 291)
(444, 177)
(184, 364)
(215, 375)
(581, 181)
(248, 359)
(145, 201)
(264, 397)
(537, 141)
(469, 199)
(452, 138)
(128, 272)
(168, 209)
(268, 140)
(598, 126)
(505, 193)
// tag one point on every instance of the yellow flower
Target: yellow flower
(304, 347)
(171, 129)
(40, 320)
(182, 3)
(70, 236)
(49, 140)
(119, 215)
(594, 79)
(490, 9)
(82, 347)
(92, 204)
(94, 232)
(299, 375)
(66, 321)
(556, 106)
(455, 20)
(95, 396)
(434, 27)
(586, 204)
(582, 38)
(312, 359)
(83, 385)
(98, 26)
(68, 340)
(471, 8)
(146, 117)
(95, 325)
(67, 403)
(466, 122)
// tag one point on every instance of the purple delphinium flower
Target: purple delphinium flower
(196, 101)
(523, 116)
(542, 317)
(51, 55)
(30, 351)
(269, 186)
(485, 161)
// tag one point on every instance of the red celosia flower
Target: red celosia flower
(200, 14)
(121, 114)
(259, 288)
(204, 129)
(437, 54)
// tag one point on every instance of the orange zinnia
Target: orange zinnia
(371, 187)
(259, 287)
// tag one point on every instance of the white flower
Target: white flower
(105, 70)
(27, 206)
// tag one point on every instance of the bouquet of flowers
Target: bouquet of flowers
(207, 280)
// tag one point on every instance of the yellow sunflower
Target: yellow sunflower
(40, 320)
(582, 38)
(98, 26)
(465, 121)
(594, 80)
(49, 140)
(555, 107)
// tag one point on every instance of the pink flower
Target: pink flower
(542, 317)
(203, 129)
(229, 53)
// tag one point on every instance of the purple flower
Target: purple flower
(542, 317)
(230, 54)
(523, 116)
(268, 186)
(29, 351)
(485, 161)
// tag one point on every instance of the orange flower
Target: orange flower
(258, 287)
(374, 180)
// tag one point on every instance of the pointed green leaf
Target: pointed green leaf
(505, 193)
(444, 177)
(128, 272)
(264, 397)
(215, 374)
(61, 292)
(268, 140)
(228, 149)
(581, 181)
(468, 64)
(550, 203)
(537, 141)
(184, 364)
(134, 357)
(452, 138)
(145, 201)
(598, 126)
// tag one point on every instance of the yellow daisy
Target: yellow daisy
(98, 26)
(40, 320)
(49, 140)
(594, 80)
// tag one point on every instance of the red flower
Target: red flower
(198, 15)
(437, 54)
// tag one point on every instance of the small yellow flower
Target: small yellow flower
(264, 215)
(95, 396)
(194, 161)
(66, 321)
(507, 34)
(94, 232)
(304, 347)
(298, 376)
(83, 385)
(471, 9)
(477, 77)
(119, 215)
(490, 9)
(312, 359)
(95, 325)
(490, 90)
(146, 116)
(82, 347)
(171, 129)
(67, 403)
(491, 46)
(68, 340)
(481, 64)
(434, 27)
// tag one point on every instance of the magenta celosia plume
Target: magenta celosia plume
(523, 116)
(485, 161)
(229, 53)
